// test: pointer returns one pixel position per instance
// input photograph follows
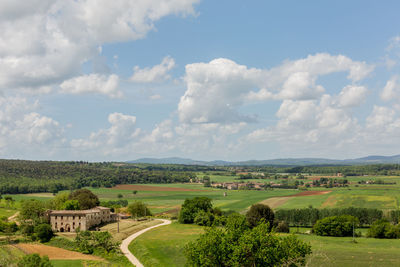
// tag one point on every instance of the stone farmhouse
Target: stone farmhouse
(70, 220)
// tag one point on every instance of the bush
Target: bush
(43, 232)
(282, 227)
(34, 260)
(383, 229)
(259, 212)
(138, 209)
(204, 218)
(336, 226)
(191, 207)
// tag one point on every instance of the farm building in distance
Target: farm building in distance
(70, 220)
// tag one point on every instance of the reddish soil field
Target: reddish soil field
(310, 193)
(55, 253)
(151, 188)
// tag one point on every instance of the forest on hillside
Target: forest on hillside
(23, 176)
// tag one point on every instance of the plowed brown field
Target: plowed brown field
(55, 253)
(151, 188)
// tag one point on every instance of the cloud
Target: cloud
(391, 91)
(157, 73)
(216, 90)
(64, 34)
(23, 130)
(112, 140)
(352, 96)
(93, 83)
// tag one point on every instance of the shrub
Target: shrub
(336, 226)
(34, 260)
(138, 209)
(260, 212)
(282, 227)
(204, 218)
(43, 232)
(383, 229)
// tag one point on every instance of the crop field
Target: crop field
(164, 247)
(162, 201)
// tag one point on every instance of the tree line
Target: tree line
(309, 216)
(20, 176)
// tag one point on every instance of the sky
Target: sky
(100, 80)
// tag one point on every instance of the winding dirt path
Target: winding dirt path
(125, 243)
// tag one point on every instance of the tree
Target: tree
(206, 181)
(120, 196)
(34, 260)
(336, 226)
(252, 247)
(71, 205)
(86, 198)
(32, 211)
(134, 192)
(138, 209)
(191, 207)
(59, 200)
(43, 232)
(259, 212)
(384, 229)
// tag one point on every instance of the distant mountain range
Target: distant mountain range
(274, 162)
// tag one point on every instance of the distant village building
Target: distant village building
(70, 220)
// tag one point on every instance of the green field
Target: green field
(164, 247)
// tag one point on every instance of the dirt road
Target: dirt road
(125, 243)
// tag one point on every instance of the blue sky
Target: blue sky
(232, 80)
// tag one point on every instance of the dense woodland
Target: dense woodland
(21, 176)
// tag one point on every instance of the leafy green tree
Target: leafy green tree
(191, 207)
(259, 212)
(86, 198)
(32, 211)
(138, 209)
(71, 205)
(134, 192)
(43, 232)
(336, 226)
(120, 196)
(204, 218)
(252, 247)
(207, 181)
(59, 200)
(384, 229)
(34, 260)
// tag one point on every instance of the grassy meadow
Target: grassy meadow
(164, 247)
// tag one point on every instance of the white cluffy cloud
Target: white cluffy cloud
(351, 96)
(157, 73)
(23, 130)
(216, 90)
(391, 91)
(64, 34)
(112, 140)
(93, 83)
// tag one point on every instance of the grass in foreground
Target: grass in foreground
(341, 251)
(164, 246)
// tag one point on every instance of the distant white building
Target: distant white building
(70, 220)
